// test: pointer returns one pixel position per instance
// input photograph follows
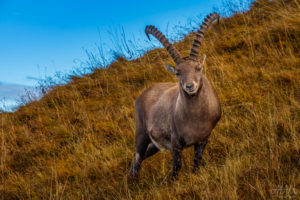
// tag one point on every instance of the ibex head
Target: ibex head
(188, 69)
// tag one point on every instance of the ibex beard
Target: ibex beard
(173, 116)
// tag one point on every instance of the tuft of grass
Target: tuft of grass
(77, 142)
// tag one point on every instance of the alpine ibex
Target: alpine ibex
(177, 115)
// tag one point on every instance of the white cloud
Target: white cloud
(11, 91)
(10, 95)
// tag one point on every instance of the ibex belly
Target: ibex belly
(160, 147)
(160, 138)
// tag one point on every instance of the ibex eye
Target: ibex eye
(177, 73)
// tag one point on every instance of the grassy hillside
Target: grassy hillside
(77, 142)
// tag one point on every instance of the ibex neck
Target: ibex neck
(190, 104)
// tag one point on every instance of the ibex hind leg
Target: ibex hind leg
(142, 141)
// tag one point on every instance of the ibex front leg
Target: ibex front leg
(141, 143)
(176, 155)
(198, 148)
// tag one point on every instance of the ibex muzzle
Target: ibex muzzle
(174, 116)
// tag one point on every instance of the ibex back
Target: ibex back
(174, 116)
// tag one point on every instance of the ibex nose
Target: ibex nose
(189, 86)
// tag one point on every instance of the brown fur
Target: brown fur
(173, 118)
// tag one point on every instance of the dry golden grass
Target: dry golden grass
(77, 142)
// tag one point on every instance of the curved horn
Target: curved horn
(200, 33)
(165, 42)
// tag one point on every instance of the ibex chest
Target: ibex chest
(194, 124)
(193, 129)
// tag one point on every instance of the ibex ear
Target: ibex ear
(202, 60)
(170, 69)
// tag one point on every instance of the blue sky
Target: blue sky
(39, 38)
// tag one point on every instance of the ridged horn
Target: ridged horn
(200, 33)
(165, 42)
